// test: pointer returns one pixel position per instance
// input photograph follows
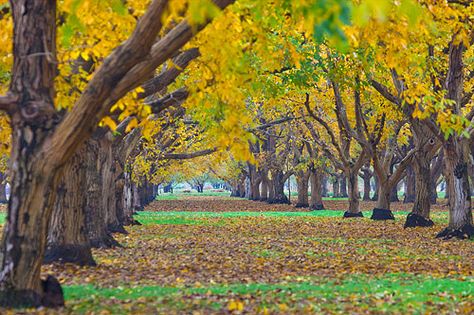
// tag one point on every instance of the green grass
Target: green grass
(187, 217)
(391, 292)
(178, 195)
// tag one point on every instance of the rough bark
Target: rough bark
(96, 219)
(302, 178)
(278, 192)
(420, 214)
(32, 176)
(352, 181)
(460, 214)
(67, 238)
(316, 201)
(409, 186)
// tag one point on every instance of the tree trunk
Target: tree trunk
(67, 237)
(96, 219)
(410, 185)
(107, 169)
(335, 187)
(343, 186)
(394, 194)
(375, 197)
(255, 180)
(264, 190)
(367, 177)
(316, 201)
(352, 180)
(303, 189)
(324, 186)
(34, 178)
(460, 214)
(420, 214)
(382, 208)
(278, 184)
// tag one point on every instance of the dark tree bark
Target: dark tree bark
(255, 181)
(33, 118)
(302, 178)
(366, 175)
(278, 192)
(264, 186)
(67, 238)
(96, 221)
(324, 186)
(409, 186)
(343, 187)
(316, 201)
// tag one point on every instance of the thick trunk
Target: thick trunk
(420, 214)
(107, 169)
(375, 197)
(303, 189)
(128, 209)
(394, 194)
(67, 237)
(316, 201)
(278, 184)
(255, 180)
(352, 181)
(96, 219)
(335, 187)
(460, 214)
(33, 177)
(324, 186)
(410, 186)
(136, 198)
(343, 187)
(382, 208)
(366, 178)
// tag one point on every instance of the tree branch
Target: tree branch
(164, 79)
(185, 156)
(8, 101)
(175, 98)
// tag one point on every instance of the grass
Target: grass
(187, 217)
(388, 293)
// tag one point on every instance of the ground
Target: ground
(217, 254)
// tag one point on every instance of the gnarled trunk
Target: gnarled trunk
(316, 201)
(420, 214)
(67, 238)
(352, 181)
(278, 184)
(382, 208)
(96, 219)
(34, 177)
(302, 178)
(460, 214)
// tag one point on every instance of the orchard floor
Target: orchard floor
(202, 255)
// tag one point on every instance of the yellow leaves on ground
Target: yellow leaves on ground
(235, 306)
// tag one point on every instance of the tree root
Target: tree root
(465, 232)
(414, 220)
(382, 214)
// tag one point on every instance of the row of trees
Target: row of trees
(95, 124)
(395, 102)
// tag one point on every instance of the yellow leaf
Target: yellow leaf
(235, 306)
(109, 122)
(132, 124)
